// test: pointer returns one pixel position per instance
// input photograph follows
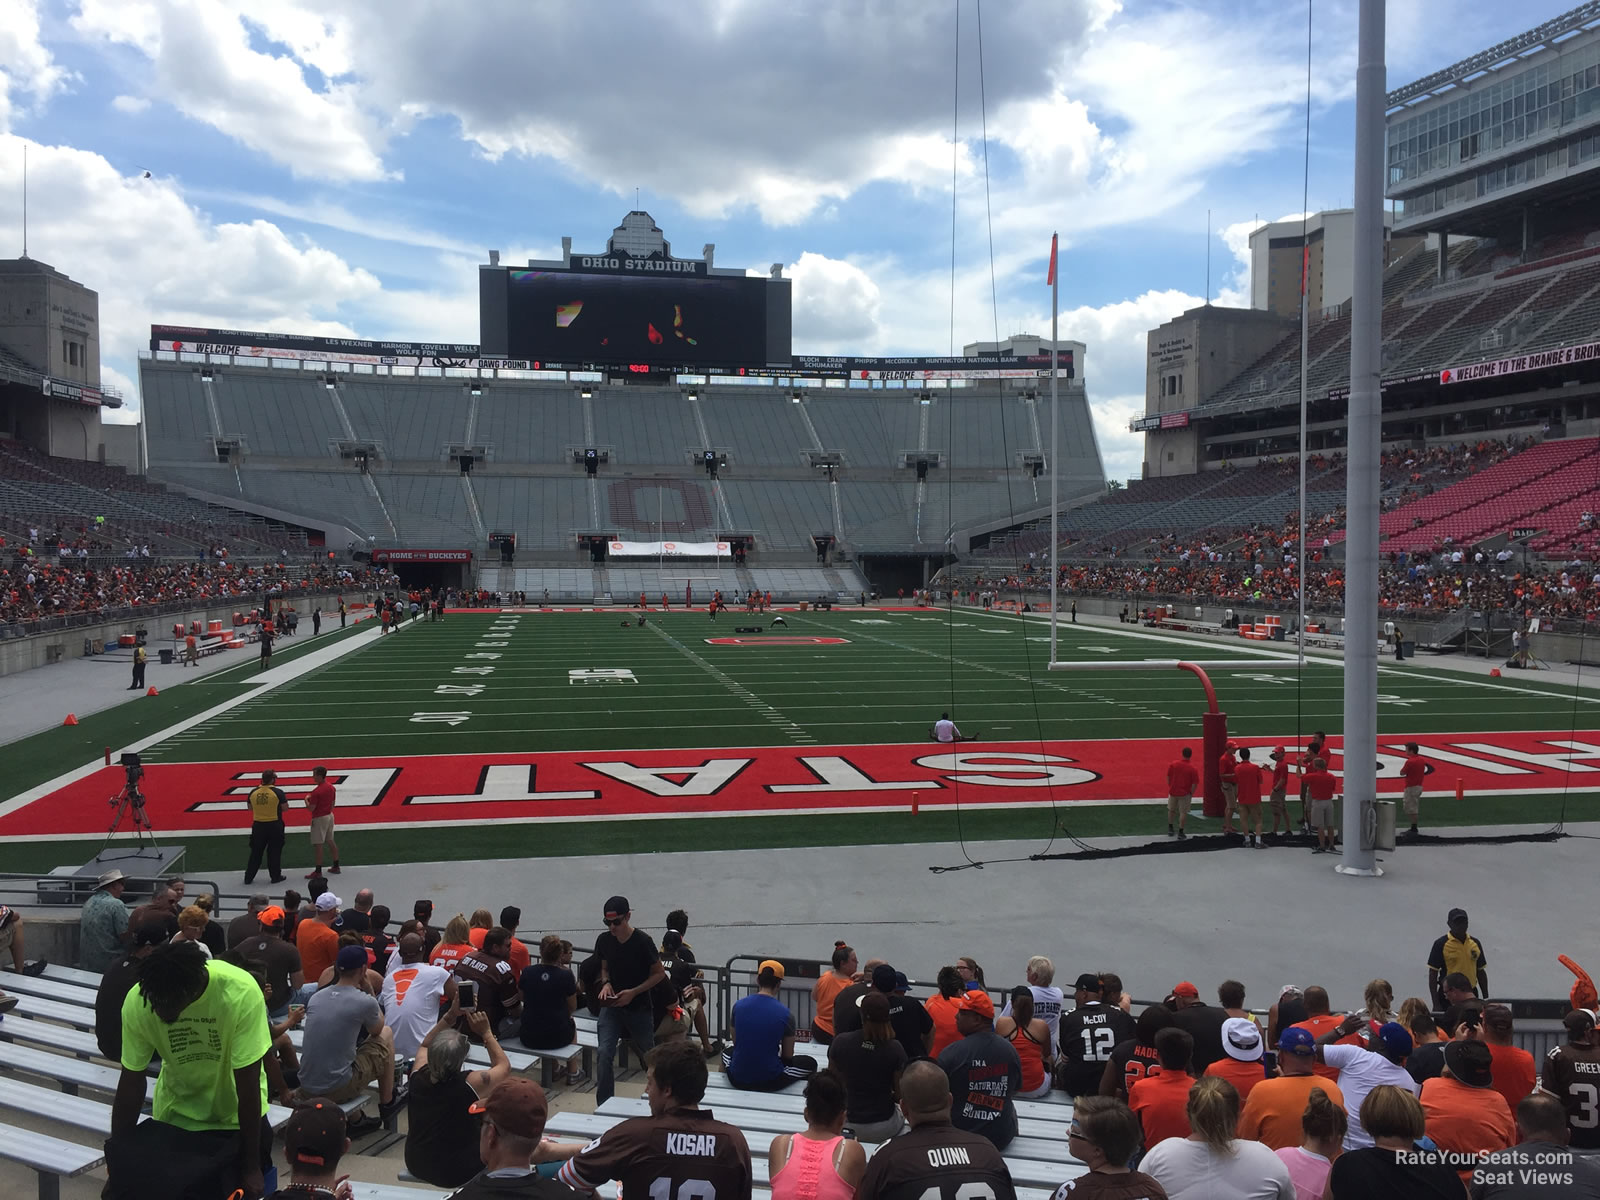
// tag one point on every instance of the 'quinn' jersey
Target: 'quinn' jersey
(940, 1159)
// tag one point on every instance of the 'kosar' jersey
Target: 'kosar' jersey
(681, 1155)
(936, 1158)
(1572, 1075)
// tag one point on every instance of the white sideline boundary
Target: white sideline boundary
(256, 685)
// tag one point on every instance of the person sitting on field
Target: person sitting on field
(944, 730)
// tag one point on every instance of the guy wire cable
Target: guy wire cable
(1023, 626)
(949, 624)
(1301, 550)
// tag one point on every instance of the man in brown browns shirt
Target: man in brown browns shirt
(677, 1143)
(934, 1156)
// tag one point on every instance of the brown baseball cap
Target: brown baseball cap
(517, 1106)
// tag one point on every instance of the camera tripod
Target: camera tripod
(129, 803)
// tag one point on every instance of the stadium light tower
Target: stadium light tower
(1365, 416)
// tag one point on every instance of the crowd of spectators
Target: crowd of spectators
(1188, 1099)
(33, 591)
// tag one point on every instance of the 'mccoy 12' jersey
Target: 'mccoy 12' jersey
(936, 1162)
(1572, 1075)
(681, 1155)
(1088, 1035)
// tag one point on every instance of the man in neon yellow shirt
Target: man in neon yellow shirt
(206, 1021)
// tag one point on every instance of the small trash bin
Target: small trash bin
(166, 656)
(1377, 824)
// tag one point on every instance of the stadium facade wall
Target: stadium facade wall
(60, 645)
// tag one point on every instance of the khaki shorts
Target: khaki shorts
(368, 1066)
(1276, 800)
(1176, 806)
(1320, 813)
(321, 830)
(1411, 798)
(1230, 797)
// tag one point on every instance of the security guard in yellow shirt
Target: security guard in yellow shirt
(266, 828)
(139, 658)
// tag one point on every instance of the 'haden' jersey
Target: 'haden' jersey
(1572, 1075)
(685, 1154)
(940, 1159)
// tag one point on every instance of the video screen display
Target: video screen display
(564, 316)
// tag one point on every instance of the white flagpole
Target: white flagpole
(1055, 516)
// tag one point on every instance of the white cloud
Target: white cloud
(131, 105)
(26, 66)
(155, 258)
(203, 64)
(836, 305)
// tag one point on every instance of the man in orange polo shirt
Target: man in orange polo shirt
(318, 940)
(1318, 1021)
(1161, 1101)
(1247, 787)
(1272, 1112)
(1414, 770)
(1465, 1114)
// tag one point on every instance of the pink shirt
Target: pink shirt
(809, 1174)
(1307, 1171)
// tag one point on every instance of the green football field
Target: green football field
(523, 706)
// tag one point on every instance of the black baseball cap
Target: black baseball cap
(1088, 982)
(1456, 914)
(883, 977)
(618, 906)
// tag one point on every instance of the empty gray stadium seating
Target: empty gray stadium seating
(409, 419)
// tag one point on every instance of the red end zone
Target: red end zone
(648, 784)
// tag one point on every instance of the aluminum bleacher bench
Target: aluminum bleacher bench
(52, 1158)
(88, 979)
(397, 1191)
(1056, 1108)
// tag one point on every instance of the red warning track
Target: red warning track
(646, 784)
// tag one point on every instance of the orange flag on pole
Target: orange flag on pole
(1051, 277)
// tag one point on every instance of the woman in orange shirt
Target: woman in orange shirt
(1030, 1037)
(943, 1008)
(454, 945)
(827, 990)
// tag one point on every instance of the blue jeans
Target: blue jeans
(640, 1026)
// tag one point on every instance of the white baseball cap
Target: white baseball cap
(326, 901)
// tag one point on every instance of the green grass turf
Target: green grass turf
(898, 672)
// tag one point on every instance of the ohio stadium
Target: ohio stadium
(630, 598)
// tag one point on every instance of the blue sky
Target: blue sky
(343, 167)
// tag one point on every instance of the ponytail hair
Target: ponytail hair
(1213, 1111)
(1323, 1119)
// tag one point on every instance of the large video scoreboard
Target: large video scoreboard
(634, 306)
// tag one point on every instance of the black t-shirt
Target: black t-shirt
(1089, 1035)
(1203, 1023)
(847, 1008)
(521, 1187)
(911, 1024)
(1426, 1062)
(115, 985)
(546, 1023)
(936, 1157)
(352, 921)
(629, 963)
(869, 1069)
(442, 1145)
(378, 945)
(1373, 1173)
